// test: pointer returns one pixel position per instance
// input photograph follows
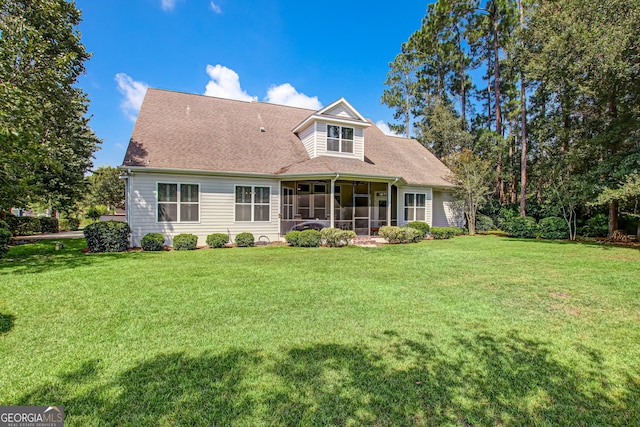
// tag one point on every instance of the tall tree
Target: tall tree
(45, 138)
(401, 91)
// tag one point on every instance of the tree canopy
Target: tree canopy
(540, 85)
(45, 138)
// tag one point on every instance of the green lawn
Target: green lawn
(470, 331)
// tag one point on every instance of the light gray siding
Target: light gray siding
(446, 212)
(217, 207)
(308, 138)
(341, 110)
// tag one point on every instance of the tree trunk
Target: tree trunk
(497, 96)
(523, 128)
(613, 218)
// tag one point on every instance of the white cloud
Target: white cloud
(225, 83)
(213, 6)
(285, 94)
(386, 129)
(133, 92)
(167, 4)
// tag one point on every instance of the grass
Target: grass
(470, 331)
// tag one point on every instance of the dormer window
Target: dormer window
(339, 139)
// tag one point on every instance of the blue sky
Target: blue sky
(283, 51)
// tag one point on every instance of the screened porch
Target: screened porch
(361, 206)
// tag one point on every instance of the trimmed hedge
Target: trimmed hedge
(5, 239)
(394, 234)
(293, 238)
(49, 224)
(336, 237)
(185, 242)
(244, 240)
(217, 240)
(522, 227)
(24, 225)
(420, 226)
(443, 233)
(152, 242)
(310, 238)
(553, 227)
(108, 236)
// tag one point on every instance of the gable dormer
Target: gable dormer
(336, 130)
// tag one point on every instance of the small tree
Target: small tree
(472, 177)
(628, 195)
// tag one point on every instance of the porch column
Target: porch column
(388, 203)
(332, 202)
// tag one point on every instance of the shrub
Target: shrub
(244, 240)
(74, 224)
(152, 242)
(217, 240)
(5, 239)
(310, 238)
(293, 238)
(108, 236)
(48, 224)
(4, 225)
(484, 223)
(421, 226)
(336, 237)
(523, 227)
(505, 215)
(553, 227)
(23, 225)
(95, 212)
(443, 233)
(596, 226)
(185, 242)
(63, 224)
(395, 234)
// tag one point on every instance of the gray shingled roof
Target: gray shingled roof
(195, 132)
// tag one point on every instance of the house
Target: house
(202, 165)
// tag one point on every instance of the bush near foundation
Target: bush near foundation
(108, 236)
(217, 240)
(185, 242)
(152, 242)
(336, 237)
(244, 240)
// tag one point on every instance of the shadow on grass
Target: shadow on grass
(6, 323)
(42, 256)
(476, 380)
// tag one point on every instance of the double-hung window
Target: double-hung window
(178, 202)
(415, 206)
(339, 139)
(253, 203)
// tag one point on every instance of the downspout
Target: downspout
(389, 200)
(332, 203)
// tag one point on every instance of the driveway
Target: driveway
(62, 235)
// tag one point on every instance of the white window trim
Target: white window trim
(253, 203)
(177, 203)
(340, 150)
(415, 205)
